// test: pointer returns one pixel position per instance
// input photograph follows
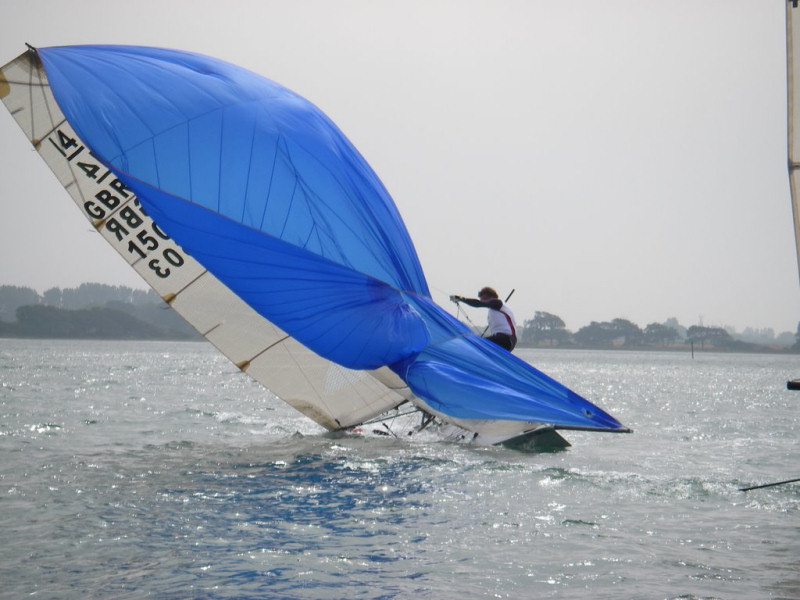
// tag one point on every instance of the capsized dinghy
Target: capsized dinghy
(256, 219)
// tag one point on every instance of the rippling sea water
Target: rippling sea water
(134, 470)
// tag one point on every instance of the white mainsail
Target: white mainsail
(331, 395)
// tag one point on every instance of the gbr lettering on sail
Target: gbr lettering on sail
(116, 213)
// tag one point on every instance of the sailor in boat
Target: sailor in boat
(502, 329)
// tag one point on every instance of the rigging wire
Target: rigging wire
(766, 485)
(460, 313)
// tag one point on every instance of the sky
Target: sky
(615, 159)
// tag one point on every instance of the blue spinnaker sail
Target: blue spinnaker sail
(261, 188)
(469, 377)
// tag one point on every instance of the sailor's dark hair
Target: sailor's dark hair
(487, 291)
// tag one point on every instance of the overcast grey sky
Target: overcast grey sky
(623, 158)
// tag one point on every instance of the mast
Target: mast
(793, 114)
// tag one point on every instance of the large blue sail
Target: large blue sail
(261, 188)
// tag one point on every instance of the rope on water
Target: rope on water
(766, 485)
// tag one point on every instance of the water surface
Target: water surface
(157, 469)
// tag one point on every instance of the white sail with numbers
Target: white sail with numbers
(332, 395)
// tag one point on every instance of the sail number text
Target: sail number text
(117, 207)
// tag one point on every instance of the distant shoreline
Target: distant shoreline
(51, 338)
(114, 313)
(675, 349)
(678, 349)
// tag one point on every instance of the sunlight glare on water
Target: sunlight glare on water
(159, 469)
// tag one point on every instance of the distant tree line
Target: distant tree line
(100, 311)
(90, 311)
(548, 330)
